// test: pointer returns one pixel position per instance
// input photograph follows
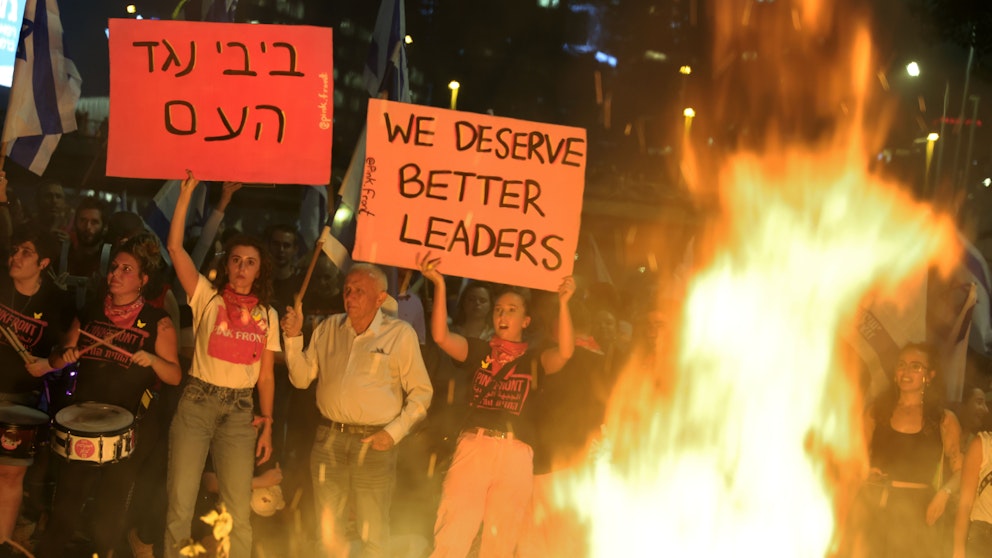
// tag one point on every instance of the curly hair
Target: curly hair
(144, 248)
(44, 241)
(262, 286)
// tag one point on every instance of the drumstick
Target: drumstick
(15, 343)
(106, 342)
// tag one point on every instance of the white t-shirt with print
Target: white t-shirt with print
(222, 356)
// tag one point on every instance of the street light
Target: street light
(913, 69)
(454, 86)
(932, 138)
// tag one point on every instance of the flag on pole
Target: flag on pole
(158, 215)
(45, 90)
(385, 67)
(884, 325)
(313, 213)
(385, 75)
(976, 270)
(952, 344)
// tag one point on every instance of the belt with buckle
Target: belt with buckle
(490, 433)
(362, 429)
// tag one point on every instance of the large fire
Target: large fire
(745, 435)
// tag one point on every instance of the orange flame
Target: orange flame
(741, 437)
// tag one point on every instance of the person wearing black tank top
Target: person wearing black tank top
(915, 454)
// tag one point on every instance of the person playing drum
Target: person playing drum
(37, 313)
(236, 336)
(125, 349)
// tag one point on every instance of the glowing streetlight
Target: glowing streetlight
(913, 69)
(131, 8)
(685, 70)
(932, 138)
(454, 86)
(408, 40)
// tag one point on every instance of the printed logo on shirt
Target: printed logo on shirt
(28, 329)
(129, 340)
(510, 395)
(243, 345)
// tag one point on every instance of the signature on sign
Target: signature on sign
(368, 187)
(325, 122)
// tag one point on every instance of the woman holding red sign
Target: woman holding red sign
(492, 473)
(236, 335)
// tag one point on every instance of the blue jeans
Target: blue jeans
(339, 467)
(217, 419)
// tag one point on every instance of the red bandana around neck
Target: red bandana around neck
(503, 351)
(123, 316)
(239, 307)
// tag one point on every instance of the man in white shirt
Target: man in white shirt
(372, 387)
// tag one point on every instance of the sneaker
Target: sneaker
(139, 548)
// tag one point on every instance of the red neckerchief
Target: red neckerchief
(502, 352)
(239, 307)
(123, 316)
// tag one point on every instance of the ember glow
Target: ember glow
(744, 437)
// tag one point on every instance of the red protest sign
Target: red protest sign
(497, 199)
(229, 101)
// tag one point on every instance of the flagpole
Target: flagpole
(318, 248)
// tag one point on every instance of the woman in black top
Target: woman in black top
(127, 375)
(491, 474)
(38, 313)
(910, 436)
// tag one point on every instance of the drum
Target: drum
(94, 432)
(21, 430)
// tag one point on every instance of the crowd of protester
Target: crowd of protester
(378, 412)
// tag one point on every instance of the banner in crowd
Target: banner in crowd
(240, 102)
(496, 199)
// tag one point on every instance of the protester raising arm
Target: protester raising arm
(452, 344)
(554, 359)
(185, 269)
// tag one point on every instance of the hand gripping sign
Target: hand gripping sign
(497, 199)
(251, 103)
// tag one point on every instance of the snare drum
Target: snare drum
(93, 432)
(20, 430)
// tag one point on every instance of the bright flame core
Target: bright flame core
(742, 437)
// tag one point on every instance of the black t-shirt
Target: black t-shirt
(39, 321)
(109, 376)
(510, 406)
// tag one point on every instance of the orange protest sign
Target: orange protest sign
(497, 199)
(229, 101)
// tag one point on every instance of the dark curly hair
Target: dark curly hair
(144, 248)
(44, 242)
(262, 286)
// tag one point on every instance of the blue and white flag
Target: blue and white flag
(45, 90)
(386, 76)
(976, 269)
(313, 213)
(385, 67)
(884, 324)
(158, 215)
